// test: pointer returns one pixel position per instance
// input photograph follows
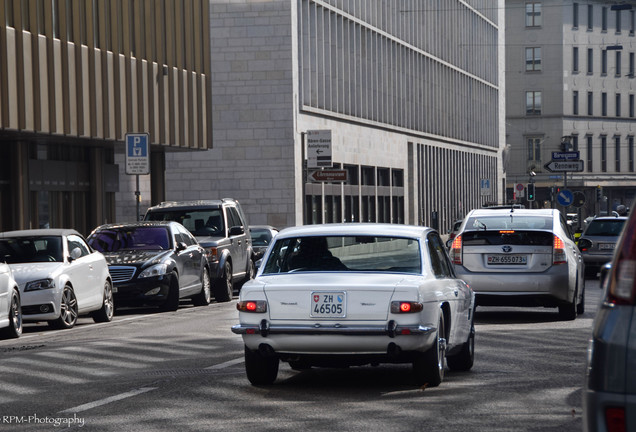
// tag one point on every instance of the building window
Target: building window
(632, 22)
(590, 103)
(618, 63)
(604, 62)
(618, 21)
(630, 150)
(617, 152)
(631, 105)
(590, 17)
(603, 153)
(604, 104)
(575, 15)
(631, 65)
(575, 143)
(604, 19)
(533, 59)
(575, 59)
(534, 149)
(533, 14)
(590, 61)
(575, 102)
(590, 153)
(533, 102)
(618, 104)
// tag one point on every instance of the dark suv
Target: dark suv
(221, 228)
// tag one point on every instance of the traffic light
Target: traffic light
(530, 191)
(599, 193)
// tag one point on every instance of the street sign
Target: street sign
(328, 176)
(579, 199)
(484, 187)
(137, 154)
(556, 166)
(521, 189)
(569, 156)
(319, 149)
(565, 197)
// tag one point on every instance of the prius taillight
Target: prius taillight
(455, 252)
(558, 251)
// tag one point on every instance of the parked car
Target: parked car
(262, 236)
(154, 263)
(598, 241)
(60, 276)
(452, 233)
(353, 294)
(10, 310)
(609, 396)
(221, 228)
(520, 257)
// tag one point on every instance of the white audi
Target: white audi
(355, 294)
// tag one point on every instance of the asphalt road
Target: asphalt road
(183, 371)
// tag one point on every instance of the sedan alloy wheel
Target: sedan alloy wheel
(68, 310)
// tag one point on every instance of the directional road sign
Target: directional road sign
(557, 166)
(569, 156)
(328, 176)
(319, 149)
(565, 197)
(137, 154)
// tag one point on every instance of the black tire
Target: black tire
(464, 360)
(172, 302)
(205, 296)
(429, 366)
(260, 369)
(68, 310)
(223, 287)
(567, 312)
(14, 330)
(580, 308)
(105, 314)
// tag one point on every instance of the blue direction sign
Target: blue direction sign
(137, 154)
(569, 156)
(565, 197)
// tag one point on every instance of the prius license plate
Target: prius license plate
(606, 246)
(331, 304)
(501, 259)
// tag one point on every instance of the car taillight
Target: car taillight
(255, 306)
(558, 251)
(622, 287)
(615, 419)
(212, 254)
(406, 307)
(455, 252)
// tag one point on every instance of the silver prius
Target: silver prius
(520, 257)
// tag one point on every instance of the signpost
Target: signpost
(319, 149)
(328, 176)
(558, 166)
(484, 187)
(565, 197)
(137, 160)
(568, 155)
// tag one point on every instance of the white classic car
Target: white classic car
(355, 294)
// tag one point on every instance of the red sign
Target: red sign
(328, 176)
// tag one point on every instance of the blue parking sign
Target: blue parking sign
(137, 154)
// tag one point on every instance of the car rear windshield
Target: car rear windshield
(137, 238)
(605, 227)
(509, 222)
(31, 249)
(200, 222)
(344, 253)
(508, 237)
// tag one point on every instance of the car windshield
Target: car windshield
(31, 249)
(130, 238)
(605, 227)
(200, 222)
(261, 237)
(344, 253)
(508, 222)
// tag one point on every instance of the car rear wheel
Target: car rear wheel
(580, 308)
(464, 360)
(567, 312)
(429, 366)
(205, 296)
(68, 310)
(260, 369)
(105, 314)
(14, 330)
(223, 287)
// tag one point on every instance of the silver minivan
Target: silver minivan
(520, 257)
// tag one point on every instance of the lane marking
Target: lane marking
(226, 364)
(90, 405)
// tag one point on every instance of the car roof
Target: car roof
(40, 232)
(352, 229)
(516, 212)
(137, 224)
(194, 204)
(603, 218)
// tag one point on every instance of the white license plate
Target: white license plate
(328, 304)
(501, 259)
(606, 246)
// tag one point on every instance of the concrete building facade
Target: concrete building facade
(570, 86)
(413, 96)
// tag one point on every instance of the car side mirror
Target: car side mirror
(75, 254)
(605, 271)
(237, 230)
(181, 246)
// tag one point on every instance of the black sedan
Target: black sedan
(153, 263)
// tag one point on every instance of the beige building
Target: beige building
(75, 78)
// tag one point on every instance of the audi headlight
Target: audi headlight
(40, 284)
(155, 270)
